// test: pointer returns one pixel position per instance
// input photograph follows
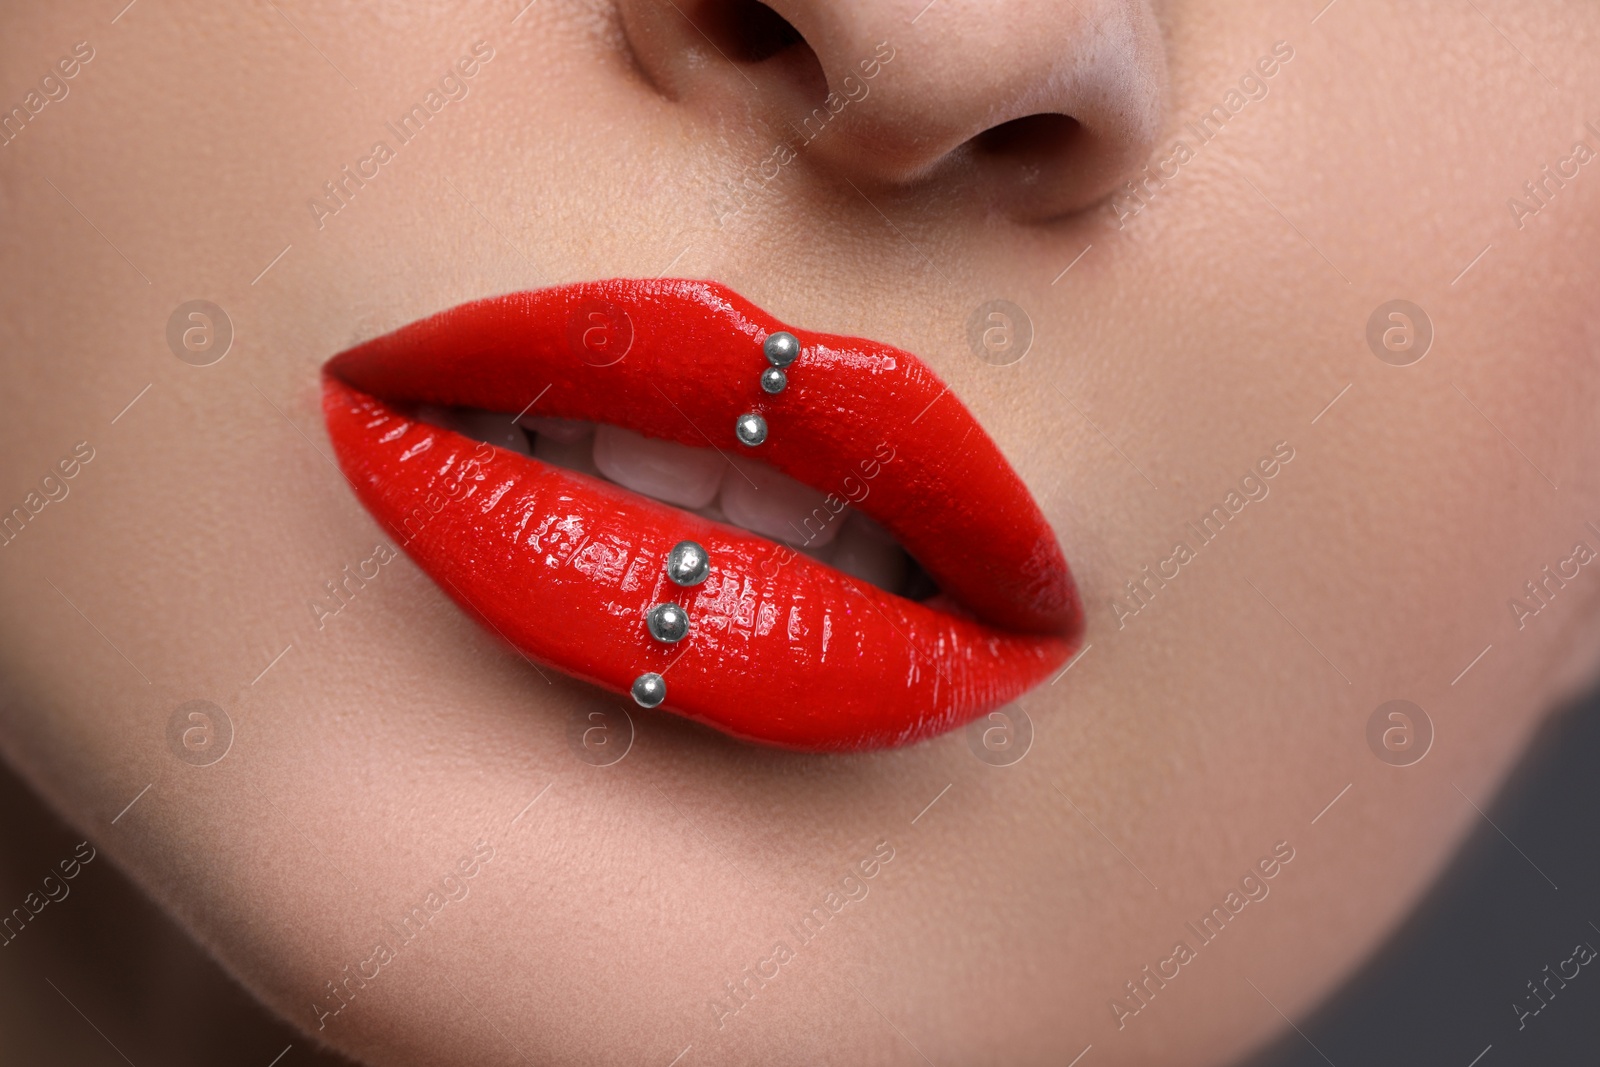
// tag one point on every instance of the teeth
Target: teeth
(567, 431)
(573, 456)
(755, 497)
(488, 426)
(767, 502)
(866, 550)
(677, 474)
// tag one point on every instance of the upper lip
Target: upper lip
(680, 360)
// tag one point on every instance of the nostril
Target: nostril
(746, 31)
(1031, 140)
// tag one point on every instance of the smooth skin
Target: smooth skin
(1171, 353)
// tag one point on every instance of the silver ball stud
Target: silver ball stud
(751, 429)
(781, 348)
(773, 380)
(668, 623)
(688, 564)
(649, 690)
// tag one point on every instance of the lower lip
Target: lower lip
(783, 650)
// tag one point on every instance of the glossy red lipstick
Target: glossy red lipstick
(782, 649)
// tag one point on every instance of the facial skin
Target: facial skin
(1221, 318)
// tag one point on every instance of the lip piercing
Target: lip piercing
(649, 690)
(773, 380)
(751, 429)
(668, 623)
(687, 563)
(781, 348)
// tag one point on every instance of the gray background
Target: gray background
(1442, 990)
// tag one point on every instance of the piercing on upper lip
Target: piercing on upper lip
(668, 623)
(773, 380)
(751, 429)
(649, 690)
(1010, 616)
(687, 563)
(781, 348)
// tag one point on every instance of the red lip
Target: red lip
(782, 649)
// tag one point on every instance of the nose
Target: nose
(1038, 107)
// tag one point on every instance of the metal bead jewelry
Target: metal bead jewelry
(668, 623)
(781, 348)
(688, 564)
(649, 690)
(751, 429)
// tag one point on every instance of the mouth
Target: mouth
(800, 539)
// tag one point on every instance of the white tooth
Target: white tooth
(866, 551)
(567, 431)
(578, 456)
(677, 474)
(491, 427)
(771, 503)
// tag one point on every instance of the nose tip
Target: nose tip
(1037, 108)
(1040, 107)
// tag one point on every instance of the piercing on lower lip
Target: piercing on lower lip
(668, 623)
(773, 380)
(687, 563)
(751, 429)
(781, 348)
(649, 690)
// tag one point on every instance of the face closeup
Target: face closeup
(1176, 515)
